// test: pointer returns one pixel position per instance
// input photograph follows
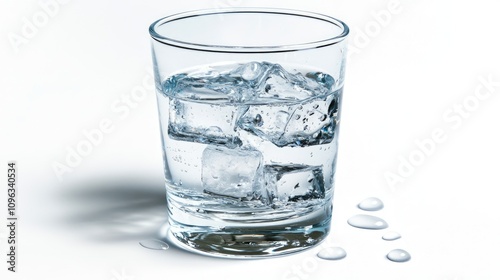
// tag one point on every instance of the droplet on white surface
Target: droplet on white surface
(371, 204)
(154, 244)
(391, 235)
(399, 255)
(332, 253)
(367, 222)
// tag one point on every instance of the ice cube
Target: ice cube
(266, 121)
(194, 88)
(324, 79)
(204, 122)
(219, 83)
(294, 182)
(254, 75)
(214, 85)
(233, 173)
(279, 85)
(312, 123)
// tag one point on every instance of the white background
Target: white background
(403, 75)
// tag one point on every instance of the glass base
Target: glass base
(248, 243)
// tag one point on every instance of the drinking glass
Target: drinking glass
(249, 104)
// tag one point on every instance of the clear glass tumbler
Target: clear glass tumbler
(249, 105)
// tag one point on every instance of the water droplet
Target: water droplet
(391, 235)
(371, 204)
(399, 255)
(297, 117)
(154, 244)
(367, 222)
(316, 106)
(322, 118)
(332, 253)
(296, 243)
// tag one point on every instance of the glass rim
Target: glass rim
(344, 31)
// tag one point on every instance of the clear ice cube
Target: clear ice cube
(281, 85)
(233, 173)
(294, 182)
(215, 85)
(203, 123)
(309, 123)
(266, 121)
(312, 123)
(324, 79)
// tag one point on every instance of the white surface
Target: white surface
(74, 71)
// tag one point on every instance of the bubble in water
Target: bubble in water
(367, 222)
(267, 88)
(154, 244)
(258, 120)
(391, 235)
(371, 204)
(332, 253)
(398, 255)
